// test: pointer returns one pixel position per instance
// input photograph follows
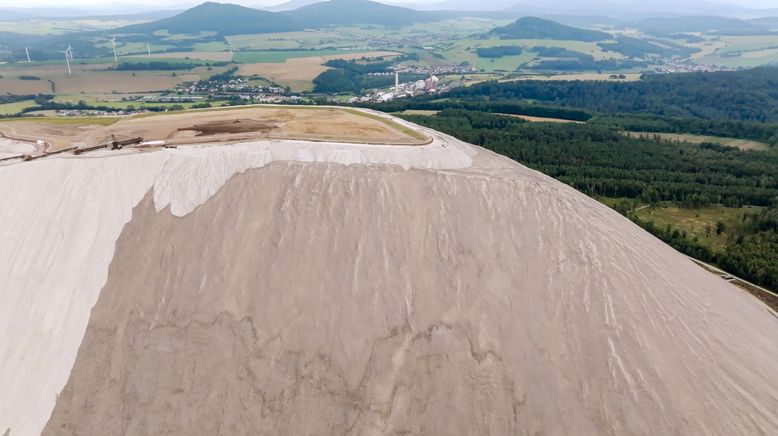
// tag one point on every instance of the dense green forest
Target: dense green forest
(559, 52)
(601, 161)
(498, 52)
(747, 95)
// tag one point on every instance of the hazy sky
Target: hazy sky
(180, 3)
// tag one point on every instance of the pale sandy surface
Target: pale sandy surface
(371, 300)
(10, 148)
(436, 289)
(62, 216)
(275, 122)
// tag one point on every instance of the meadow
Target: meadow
(739, 51)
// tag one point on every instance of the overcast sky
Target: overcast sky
(181, 3)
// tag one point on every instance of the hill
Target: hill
(290, 5)
(229, 19)
(538, 28)
(351, 12)
(284, 287)
(225, 19)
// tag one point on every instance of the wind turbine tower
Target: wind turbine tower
(113, 43)
(148, 48)
(67, 60)
(27, 50)
(397, 82)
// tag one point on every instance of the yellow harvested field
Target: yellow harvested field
(91, 78)
(298, 73)
(221, 125)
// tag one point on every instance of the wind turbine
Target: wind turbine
(69, 52)
(113, 43)
(230, 43)
(27, 50)
(148, 48)
(67, 59)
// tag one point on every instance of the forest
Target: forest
(601, 161)
(746, 95)
(740, 104)
(499, 51)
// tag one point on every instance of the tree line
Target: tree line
(746, 95)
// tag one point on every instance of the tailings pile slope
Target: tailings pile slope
(331, 295)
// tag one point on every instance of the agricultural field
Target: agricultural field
(739, 51)
(15, 107)
(280, 56)
(742, 144)
(465, 51)
(100, 78)
(298, 72)
(699, 223)
(306, 40)
(207, 56)
(46, 26)
(294, 58)
(115, 101)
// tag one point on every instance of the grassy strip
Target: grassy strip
(65, 121)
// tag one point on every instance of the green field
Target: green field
(68, 121)
(699, 223)
(16, 107)
(125, 104)
(313, 39)
(61, 26)
(742, 51)
(742, 144)
(280, 56)
(465, 51)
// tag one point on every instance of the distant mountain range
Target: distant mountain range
(349, 12)
(229, 19)
(290, 5)
(225, 19)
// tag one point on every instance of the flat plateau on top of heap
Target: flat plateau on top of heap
(234, 124)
